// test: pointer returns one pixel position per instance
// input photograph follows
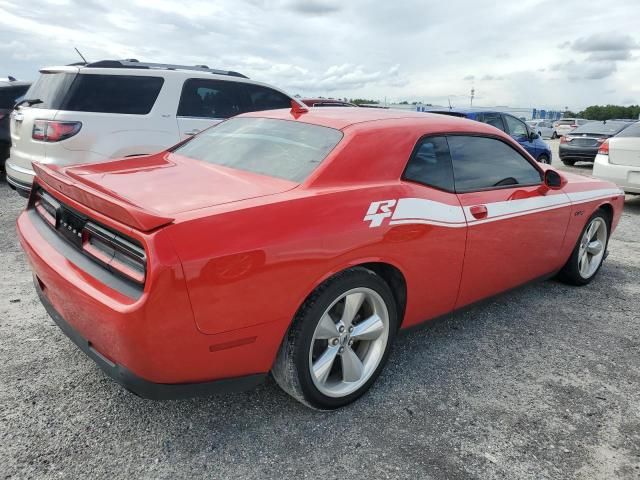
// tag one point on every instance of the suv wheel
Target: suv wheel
(570, 163)
(339, 341)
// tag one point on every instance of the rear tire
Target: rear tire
(588, 254)
(544, 159)
(569, 163)
(339, 340)
(554, 135)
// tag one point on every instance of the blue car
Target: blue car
(515, 127)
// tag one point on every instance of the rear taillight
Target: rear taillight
(564, 139)
(47, 207)
(122, 256)
(54, 131)
(604, 148)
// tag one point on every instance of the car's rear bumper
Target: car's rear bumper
(578, 153)
(19, 178)
(626, 177)
(148, 342)
(140, 386)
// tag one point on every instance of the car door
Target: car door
(519, 132)
(205, 102)
(429, 212)
(516, 226)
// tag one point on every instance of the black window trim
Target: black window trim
(184, 83)
(416, 147)
(533, 163)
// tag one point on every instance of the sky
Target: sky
(520, 53)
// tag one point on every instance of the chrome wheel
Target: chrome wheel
(592, 247)
(349, 342)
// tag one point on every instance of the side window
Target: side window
(263, 98)
(493, 119)
(515, 127)
(203, 98)
(430, 164)
(481, 163)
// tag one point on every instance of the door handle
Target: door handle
(192, 132)
(479, 211)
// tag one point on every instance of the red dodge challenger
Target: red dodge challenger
(298, 243)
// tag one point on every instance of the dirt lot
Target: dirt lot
(543, 382)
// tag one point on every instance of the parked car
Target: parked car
(205, 267)
(326, 102)
(566, 125)
(544, 128)
(618, 159)
(10, 90)
(515, 127)
(119, 108)
(582, 143)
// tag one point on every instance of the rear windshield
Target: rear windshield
(600, 128)
(130, 94)
(50, 89)
(566, 122)
(632, 130)
(8, 95)
(277, 148)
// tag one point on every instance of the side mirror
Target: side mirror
(553, 180)
(533, 136)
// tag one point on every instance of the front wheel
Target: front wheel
(588, 254)
(339, 341)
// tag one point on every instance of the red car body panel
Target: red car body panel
(233, 255)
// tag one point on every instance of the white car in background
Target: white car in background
(119, 108)
(544, 128)
(566, 125)
(618, 159)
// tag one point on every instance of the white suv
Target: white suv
(118, 108)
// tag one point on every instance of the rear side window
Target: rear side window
(493, 119)
(202, 98)
(263, 98)
(51, 89)
(631, 131)
(430, 164)
(8, 95)
(125, 94)
(277, 148)
(482, 163)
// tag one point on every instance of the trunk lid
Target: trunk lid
(624, 151)
(149, 191)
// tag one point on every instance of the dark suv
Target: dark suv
(10, 90)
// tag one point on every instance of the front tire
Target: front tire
(569, 163)
(339, 340)
(588, 255)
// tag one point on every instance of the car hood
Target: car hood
(169, 184)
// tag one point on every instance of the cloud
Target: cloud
(605, 42)
(609, 55)
(577, 71)
(469, 77)
(313, 7)
(491, 78)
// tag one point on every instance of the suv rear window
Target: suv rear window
(50, 89)
(131, 94)
(277, 148)
(632, 130)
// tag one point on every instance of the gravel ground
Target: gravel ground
(542, 382)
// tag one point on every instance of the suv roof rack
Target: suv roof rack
(133, 63)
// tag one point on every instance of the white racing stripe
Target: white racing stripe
(423, 211)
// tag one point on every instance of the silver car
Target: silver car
(543, 128)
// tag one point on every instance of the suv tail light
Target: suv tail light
(122, 256)
(54, 131)
(564, 139)
(604, 148)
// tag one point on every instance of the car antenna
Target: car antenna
(81, 56)
(449, 99)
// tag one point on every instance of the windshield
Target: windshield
(51, 89)
(600, 128)
(277, 148)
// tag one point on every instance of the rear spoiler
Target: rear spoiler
(113, 207)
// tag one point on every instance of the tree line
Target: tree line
(605, 112)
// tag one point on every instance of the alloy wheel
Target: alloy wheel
(592, 247)
(349, 342)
